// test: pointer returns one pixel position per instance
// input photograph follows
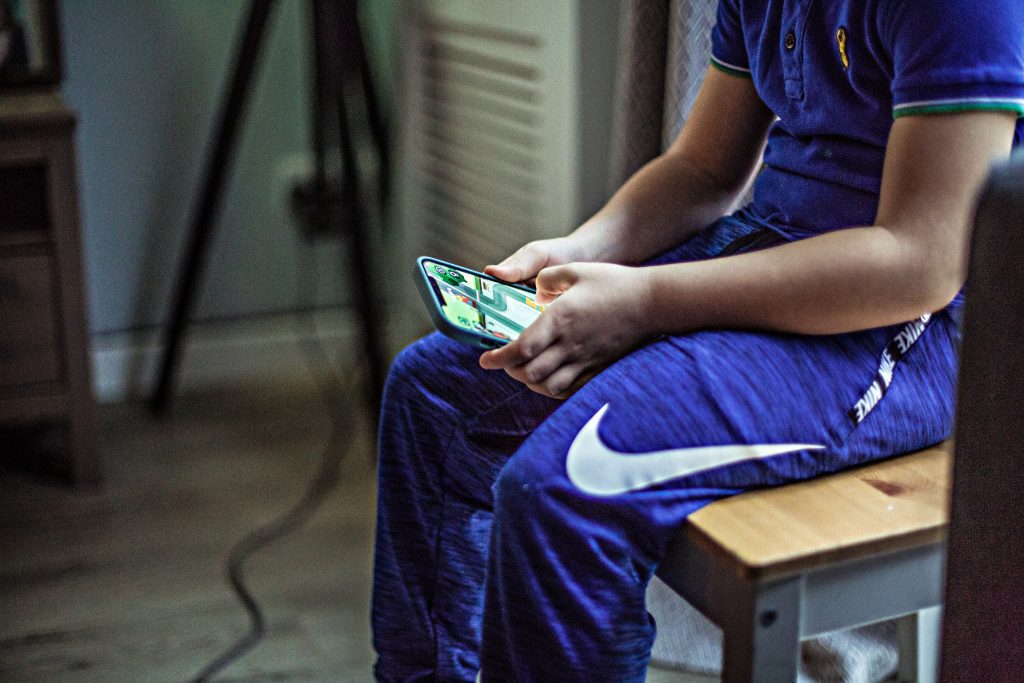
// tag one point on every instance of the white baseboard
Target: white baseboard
(237, 352)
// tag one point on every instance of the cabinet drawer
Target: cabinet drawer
(28, 321)
(24, 196)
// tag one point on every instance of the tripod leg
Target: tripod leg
(340, 65)
(374, 116)
(321, 106)
(231, 111)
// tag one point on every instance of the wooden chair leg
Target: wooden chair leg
(919, 646)
(762, 642)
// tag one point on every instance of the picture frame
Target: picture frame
(30, 50)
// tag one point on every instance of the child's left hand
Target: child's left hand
(596, 314)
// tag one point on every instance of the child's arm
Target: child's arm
(911, 262)
(680, 192)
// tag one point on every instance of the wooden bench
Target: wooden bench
(776, 566)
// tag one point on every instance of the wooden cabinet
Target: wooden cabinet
(44, 344)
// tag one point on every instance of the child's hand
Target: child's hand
(531, 258)
(596, 315)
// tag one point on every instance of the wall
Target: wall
(145, 77)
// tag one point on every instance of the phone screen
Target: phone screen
(479, 304)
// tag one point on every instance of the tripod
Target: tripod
(340, 67)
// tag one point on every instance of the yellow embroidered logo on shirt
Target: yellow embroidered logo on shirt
(841, 39)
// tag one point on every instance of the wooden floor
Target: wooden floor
(127, 584)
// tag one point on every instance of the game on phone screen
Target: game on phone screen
(481, 305)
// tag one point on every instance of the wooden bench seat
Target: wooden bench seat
(775, 566)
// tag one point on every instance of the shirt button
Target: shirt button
(790, 40)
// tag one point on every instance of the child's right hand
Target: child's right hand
(531, 258)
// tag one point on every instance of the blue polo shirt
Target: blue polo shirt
(836, 72)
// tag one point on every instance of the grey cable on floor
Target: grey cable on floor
(332, 389)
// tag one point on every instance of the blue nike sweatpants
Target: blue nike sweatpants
(516, 534)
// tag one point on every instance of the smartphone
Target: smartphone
(474, 308)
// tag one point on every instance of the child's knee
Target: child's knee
(426, 361)
(413, 361)
(530, 488)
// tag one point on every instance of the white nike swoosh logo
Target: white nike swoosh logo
(601, 471)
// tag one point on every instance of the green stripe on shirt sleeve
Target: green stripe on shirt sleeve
(725, 69)
(956, 107)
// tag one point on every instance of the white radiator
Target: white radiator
(506, 111)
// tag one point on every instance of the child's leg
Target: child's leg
(447, 428)
(581, 519)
